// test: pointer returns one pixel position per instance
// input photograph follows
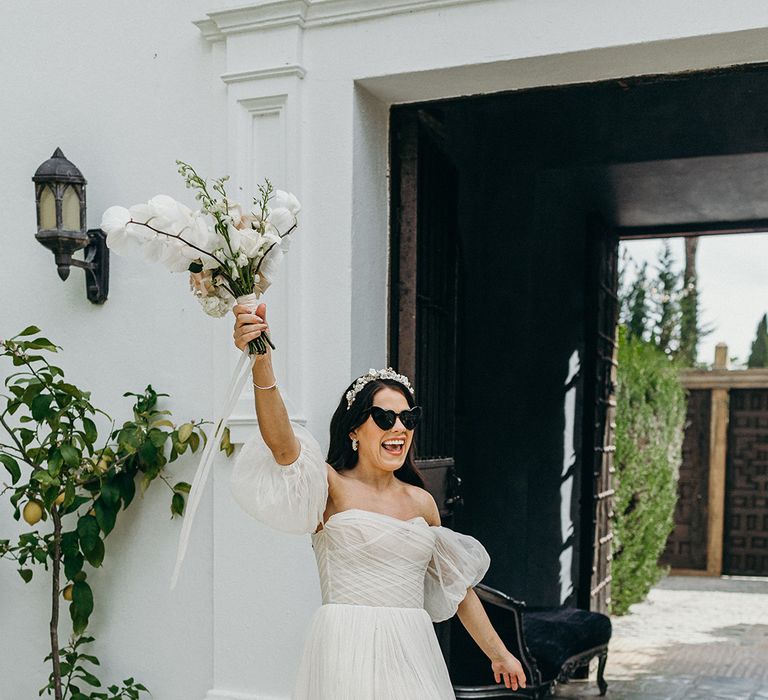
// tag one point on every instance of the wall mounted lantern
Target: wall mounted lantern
(61, 224)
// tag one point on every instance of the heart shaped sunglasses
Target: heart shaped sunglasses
(385, 418)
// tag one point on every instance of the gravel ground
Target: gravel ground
(692, 638)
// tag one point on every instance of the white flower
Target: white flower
(167, 214)
(115, 219)
(122, 237)
(281, 219)
(234, 235)
(250, 242)
(201, 237)
(286, 200)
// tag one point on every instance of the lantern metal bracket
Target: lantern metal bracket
(95, 262)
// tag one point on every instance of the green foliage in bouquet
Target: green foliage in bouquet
(60, 472)
(650, 421)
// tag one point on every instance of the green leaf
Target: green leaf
(195, 267)
(26, 574)
(73, 564)
(40, 556)
(70, 454)
(81, 607)
(185, 431)
(96, 556)
(157, 437)
(89, 678)
(33, 389)
(110, 492)
(40, 407)
(88, 532)
(77, 501)
(182, 486)
(194, 442)
(148, 452)
(29, 330)
(44, 478)
(90, 430)
(55, 461)
(72, 390)
(164, 422)
(129, 439)
(12, 466)
(127, 487)
(177, 504)
(106, 515)
(42, 344)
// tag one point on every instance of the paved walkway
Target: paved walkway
(692, 638)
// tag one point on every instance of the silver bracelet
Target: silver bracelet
(271, 386)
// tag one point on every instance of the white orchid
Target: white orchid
(121, 235)
(285, 200)
(282, 219)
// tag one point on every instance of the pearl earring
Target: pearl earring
(354, 444)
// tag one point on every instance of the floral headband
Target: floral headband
(372, 374)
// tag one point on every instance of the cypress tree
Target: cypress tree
(637, 303)
(758, 357)
(666, 334)
(690, 332)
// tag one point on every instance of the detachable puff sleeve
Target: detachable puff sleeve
(458, 562)
(288, 498)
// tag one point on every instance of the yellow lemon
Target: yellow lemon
(59, 499)
(33, 512)
(67, 592)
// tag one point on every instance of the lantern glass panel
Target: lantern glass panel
(47, 210)
(70, 210)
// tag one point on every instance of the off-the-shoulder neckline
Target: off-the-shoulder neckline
(372, 512)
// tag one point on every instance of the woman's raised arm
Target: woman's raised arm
(272, 415)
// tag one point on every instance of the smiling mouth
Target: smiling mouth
(394, 446)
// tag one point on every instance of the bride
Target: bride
(387, 568)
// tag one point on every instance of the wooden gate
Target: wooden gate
(599, 417)
(745, 546)
(686, 548)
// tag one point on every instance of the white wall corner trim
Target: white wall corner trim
(309, 13)
(293, 69)
(233, 695)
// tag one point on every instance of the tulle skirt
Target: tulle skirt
(361, 652)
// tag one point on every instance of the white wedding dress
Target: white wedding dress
(383, 580)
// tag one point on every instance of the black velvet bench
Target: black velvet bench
(551, 643)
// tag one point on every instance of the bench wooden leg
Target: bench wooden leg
(600, 671)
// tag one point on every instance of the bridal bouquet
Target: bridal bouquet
(232, 255)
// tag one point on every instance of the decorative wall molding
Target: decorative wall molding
(309, 13)
(263, 73)
(233, 695)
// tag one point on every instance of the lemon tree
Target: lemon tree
(70, 487)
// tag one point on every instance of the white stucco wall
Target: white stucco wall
(303, 96)
(124, 92)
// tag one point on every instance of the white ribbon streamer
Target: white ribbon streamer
(235, 388)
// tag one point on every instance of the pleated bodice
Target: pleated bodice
(368, 558)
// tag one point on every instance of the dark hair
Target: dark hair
(345, 420)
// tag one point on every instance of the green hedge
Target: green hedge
(650, 420)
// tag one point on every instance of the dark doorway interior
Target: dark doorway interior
(649, 156)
